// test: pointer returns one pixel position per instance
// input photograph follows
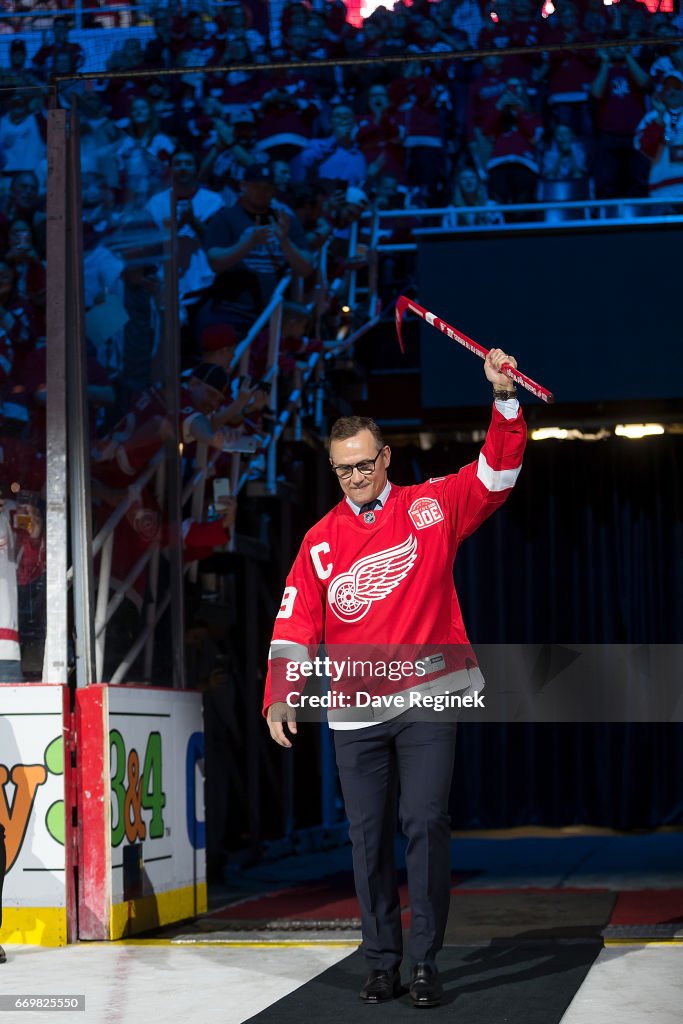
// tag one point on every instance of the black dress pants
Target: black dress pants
(411, 761)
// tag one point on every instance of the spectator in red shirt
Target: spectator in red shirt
(619, 90)
(423, 105)
(380, 136)
(513, 166)
(570, 72)
(288, 109)
(484, 94)
(194, 47)
(239, 26)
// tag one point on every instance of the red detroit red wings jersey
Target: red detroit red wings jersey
(390, 581)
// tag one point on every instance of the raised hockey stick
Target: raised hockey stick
(403, 303)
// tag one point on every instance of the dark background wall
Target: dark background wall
(592, 314)
(588, 549)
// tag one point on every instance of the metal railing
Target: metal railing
(574, 213)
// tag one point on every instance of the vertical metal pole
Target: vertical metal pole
(79, 456)
(197, 506)
(252, 725)
(353, 248)
(55, 668)
(298, 386)
(373, 269)
(159, 488)
(103, 581)
(275, 330)
(171, 372)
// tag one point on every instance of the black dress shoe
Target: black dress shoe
(2, 955)
(425, 987)
(381, 986)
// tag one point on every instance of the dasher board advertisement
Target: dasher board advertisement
(142, 809)
(32, 802)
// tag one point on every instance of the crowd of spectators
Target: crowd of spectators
(268, 170)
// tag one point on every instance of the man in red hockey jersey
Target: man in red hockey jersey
(378, 569)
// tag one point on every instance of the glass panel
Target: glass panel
(131, 332)
(22, 388)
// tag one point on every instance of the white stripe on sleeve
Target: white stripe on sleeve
(288, 649)
(496, 479)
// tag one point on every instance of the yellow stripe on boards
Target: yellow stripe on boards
(148, 912)
(659, 943)
(33, 926)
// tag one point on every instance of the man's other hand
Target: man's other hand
(278, 714)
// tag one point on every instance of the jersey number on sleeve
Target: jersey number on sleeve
(287, 606)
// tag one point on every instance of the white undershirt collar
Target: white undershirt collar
(381, 497)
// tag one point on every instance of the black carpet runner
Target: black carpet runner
(523, 982)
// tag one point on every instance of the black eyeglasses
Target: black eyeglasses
(366, 467)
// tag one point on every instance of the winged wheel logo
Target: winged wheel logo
(371, 578)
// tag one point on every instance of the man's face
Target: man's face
(237, 16)
(183, 168)
(673, 94)
(427, 30)
(297, 38)
(25, 191)
(196, 28)
(361, 448)
(139, 111)
(378, 101)
(91, 190)
(204, 398)
(516, 86)
(282, 175)
(568, 18)
(387, 192)
(493, 63)
(564, 137)
(258, 195)
(343, 122)
(20, 235)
